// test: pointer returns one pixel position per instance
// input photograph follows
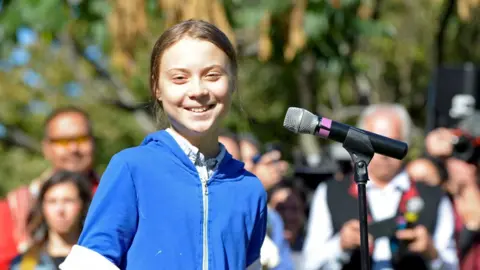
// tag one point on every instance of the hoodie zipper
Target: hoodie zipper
(205, 222)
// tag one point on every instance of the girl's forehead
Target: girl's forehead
(61, 189)
(192, 53)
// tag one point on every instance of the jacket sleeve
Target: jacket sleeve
(112, 219)
(257, 238)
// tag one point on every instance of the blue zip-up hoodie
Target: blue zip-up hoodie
(148, 211)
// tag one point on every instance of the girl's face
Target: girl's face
(62, 208)
(290, 207)
(195, 86)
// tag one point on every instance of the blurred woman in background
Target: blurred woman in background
(289, 200)
(56, 221)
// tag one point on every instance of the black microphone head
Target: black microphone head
(300, 121)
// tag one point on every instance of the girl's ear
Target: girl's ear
(156, 88)
(158, 93)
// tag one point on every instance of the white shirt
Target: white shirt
(322, 249)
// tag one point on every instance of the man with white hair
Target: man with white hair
(333, 236)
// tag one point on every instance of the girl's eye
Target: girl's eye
(213, 76)
(179, 78)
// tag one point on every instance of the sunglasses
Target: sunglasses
(67, 141)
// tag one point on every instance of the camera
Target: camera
(466, 147)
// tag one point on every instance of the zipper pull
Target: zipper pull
(206, 187)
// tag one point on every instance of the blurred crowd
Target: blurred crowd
(423, 214)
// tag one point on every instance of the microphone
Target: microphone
(407, 221)
(302, 121)
(414, 207)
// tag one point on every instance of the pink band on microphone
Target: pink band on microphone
(325, 125)
(325, 122)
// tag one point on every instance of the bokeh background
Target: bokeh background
(332, 57)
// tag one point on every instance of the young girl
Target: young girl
(179, 200)
(56, 221)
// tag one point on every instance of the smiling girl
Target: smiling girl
(179, 200)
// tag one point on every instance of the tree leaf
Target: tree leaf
(248, 17)
(316, 24)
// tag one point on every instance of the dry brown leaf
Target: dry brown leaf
(172, 11)
(203, 10)
(189, 9)
(463, 10)
(127, 24)
(219, 18)
(119, 58)
(336, 3)
(265, 43)
(364, 11)
(141, 18)
(168, 4)
(473, 3)
(207, 10)
(296, 33)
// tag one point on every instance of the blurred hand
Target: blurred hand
(421, 242)
(20, 203)
(467, 203)
(439, 142)
(350, 236)
(269, 254)
(270, 169)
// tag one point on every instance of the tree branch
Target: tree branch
(334, 92)
(305, 80)
(376, 10)
(71, 58)
(360, 82)
(343, 113)
(18, 137)
(442, 29)
(125, 97)
(126, 107)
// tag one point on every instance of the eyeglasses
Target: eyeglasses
(67, 141)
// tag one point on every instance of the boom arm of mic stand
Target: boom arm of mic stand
(358, 145)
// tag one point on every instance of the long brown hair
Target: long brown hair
(37, 226)
(196, 29)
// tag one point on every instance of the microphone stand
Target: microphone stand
(360, 148)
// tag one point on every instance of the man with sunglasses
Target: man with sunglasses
(68, 144)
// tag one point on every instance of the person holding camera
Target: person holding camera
(460, 151)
